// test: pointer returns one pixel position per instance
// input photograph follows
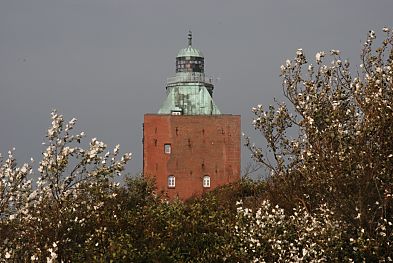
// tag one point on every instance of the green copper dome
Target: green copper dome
(189, 51)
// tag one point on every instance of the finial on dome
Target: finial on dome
(189, 51)
(189, 38)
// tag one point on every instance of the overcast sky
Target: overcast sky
(105, 62)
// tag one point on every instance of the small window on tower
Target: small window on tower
(167, 148)
(171, 181)
(206, 181)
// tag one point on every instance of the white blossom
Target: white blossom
(319, 56)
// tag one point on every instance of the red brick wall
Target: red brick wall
(200, 145)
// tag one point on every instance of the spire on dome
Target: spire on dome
(189, 51)
(189, 38)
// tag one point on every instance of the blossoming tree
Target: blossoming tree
(72, 186)
(331, 143)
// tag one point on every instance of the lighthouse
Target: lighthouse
(189, 146)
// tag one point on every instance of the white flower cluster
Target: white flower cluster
(269, 235)
(14, 187)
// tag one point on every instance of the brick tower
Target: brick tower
(190, 147)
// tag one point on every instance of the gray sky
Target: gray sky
(105, 62)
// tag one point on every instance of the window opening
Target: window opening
(206, 181)
(171, 181)
(167, 148)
